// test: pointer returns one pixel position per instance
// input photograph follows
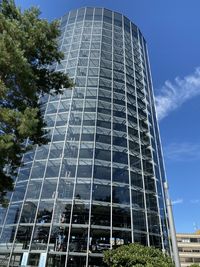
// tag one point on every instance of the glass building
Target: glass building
(98, 183)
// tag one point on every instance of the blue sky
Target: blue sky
(171, 29)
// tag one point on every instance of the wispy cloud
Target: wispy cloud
(177, 201)
(174, 94)
(195, 201)
(183, 151)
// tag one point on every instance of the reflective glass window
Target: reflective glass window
(44, 213)
(120, 157)
(98, 14)
(7, 235)
(89, 119)
(121, 195)
(121, 238)
(34, 188)
(65, 189)
(101, 172)
(73, 133)
(50, 120)
(23, 237)
(61, 119)
(53, 167)
(155, 241)
(121, 217)
(28, 212)
(151, 201)
(52, 107)
(68, 168)
(137, 199)
(78, 240)
(19, 193)
(101, 192)
(84, 170)
(40, 238)
(86, 150)
(80, 213)
(59, 134)
(82, 190)
(49, 189)
(136, 179)
(149, 183)
(2, 215)
(91, 93)
(120, 175)
(153, 222)
(139, 220)
(13, 213)
(42, 152)
(58, 242)
(140, 238)
(100, 240)
(100, 215)
(103, 154)
(24, 172)
(71, 150)
(63, 212)
(103, 138)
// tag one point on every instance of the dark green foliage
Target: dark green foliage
(138, 256)
(28, 45)
(195, 265)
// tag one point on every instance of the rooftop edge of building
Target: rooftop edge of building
(104, 8)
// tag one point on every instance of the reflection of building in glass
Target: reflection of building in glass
(98, 183)
(189, 248)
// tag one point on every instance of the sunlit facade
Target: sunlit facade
(189, 248)
(98, 183)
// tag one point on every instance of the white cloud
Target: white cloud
(183, 151)
(177, 201)
(195, 201)
(174, 94)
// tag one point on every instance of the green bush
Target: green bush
(138, 256)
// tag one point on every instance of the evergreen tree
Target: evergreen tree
(28, 46)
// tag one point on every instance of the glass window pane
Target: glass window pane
(28, 212)
(101, 172)
(100, 215)
(38, 169)
(80, 213)
(100, 240)
(65, 189)
(63, 212)
(53, 167)
(49, 189)
(34, 188)
(78, 240)
(139, 220)
(82, 191)
(19, 193)
(40, 238)
(23, 237)
(13, 213)
(45, 212)
(121, 195)
(121, 217)
(137, 199)
(121, 238)
(102, 192)
(58, 240)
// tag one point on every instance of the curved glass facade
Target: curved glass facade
(98, 183)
